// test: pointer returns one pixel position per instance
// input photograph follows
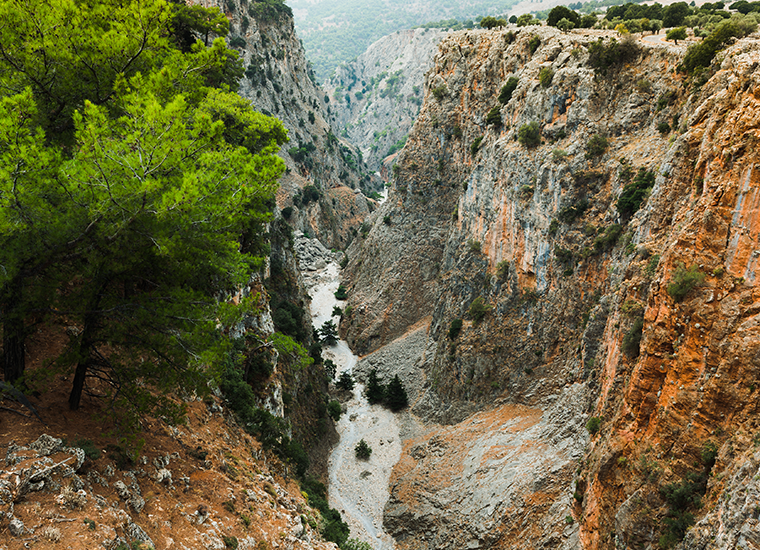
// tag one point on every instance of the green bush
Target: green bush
(334, 410)
(701, 54)
(502, 270)
(635, 192)
(440, 92)
(345, 382)
(455, 328)
(558, 13)
(568, 214)
(475, 145)
(494, 116)
(652, 264)
(545, 76)
(676, 34)
(684, 280)
(594, 424)
(509, 87)
(474, 246)
(604, 57)
(608, 239)
(534, 43)
(663, 127)
(362, 450)
(334, 529)
(89, 448)
(478, 309)
(356, 544)
(632, 339)
(341, 293)
(596, 146)
(529, 134)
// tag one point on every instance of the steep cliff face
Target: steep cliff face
(326, 175)
(376, 98)
(571, 278)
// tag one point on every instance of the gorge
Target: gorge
(563, 274)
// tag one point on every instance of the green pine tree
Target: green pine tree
(375, 390)
(395, 395)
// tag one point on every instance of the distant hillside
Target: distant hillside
(335, 31)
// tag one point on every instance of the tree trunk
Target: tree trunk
(86, 343)
(14, 331)
(14, 356)
(80, 374)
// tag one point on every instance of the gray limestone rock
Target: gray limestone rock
(16, 527)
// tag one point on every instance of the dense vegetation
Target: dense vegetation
(134, 191)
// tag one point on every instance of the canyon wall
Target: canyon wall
(376, 97)
(614, 328)
(326, 178)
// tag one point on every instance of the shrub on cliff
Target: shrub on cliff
(632, 339)
(478, 309)
(475, 145)
(635, 192)
(534, 43)
(700, 55)
(341, 293)
(529, 134)
(545, 76)
(604, 56)
(596, 146)
(455, 328)
(334, 410)
(509, 87)
(607, 240)
(494, 116)
(594, 424)
(684, 280)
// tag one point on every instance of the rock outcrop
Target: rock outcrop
(636, 324)
(376, 98)
(322, 187)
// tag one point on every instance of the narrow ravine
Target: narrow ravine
(357, 488)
